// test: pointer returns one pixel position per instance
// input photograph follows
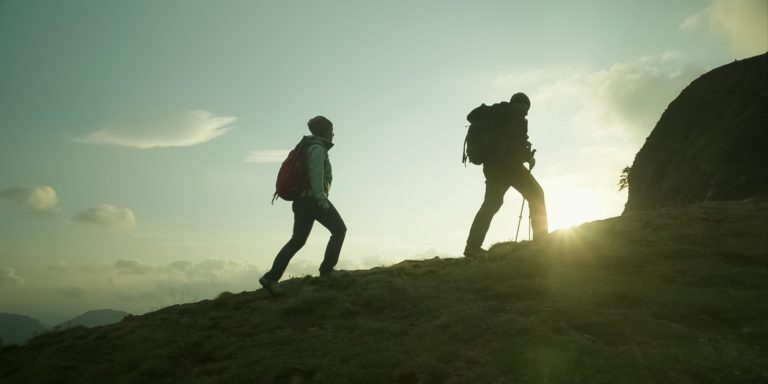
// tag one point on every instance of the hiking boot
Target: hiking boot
(270, 286)
(475, 252)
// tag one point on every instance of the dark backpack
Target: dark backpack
(493, 133)
(480, 135)
(293, 176)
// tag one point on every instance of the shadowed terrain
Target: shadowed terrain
(674, 295)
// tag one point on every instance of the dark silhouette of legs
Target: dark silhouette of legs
(494, 198)
(331, 220)
(497, 182)
(526, 184)
(305, 212)
(302, 226)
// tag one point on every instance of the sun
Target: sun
(567, 208)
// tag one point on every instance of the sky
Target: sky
(141, 139)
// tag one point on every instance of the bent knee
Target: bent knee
(492, 206)
(340, 231)
(297, 243)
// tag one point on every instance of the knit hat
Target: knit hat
(319, 125)
(520, 98)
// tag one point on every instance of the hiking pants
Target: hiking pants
(497, 182)
(305, 213)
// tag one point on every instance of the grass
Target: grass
(671, 296)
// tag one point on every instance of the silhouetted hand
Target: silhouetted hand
(532, 161)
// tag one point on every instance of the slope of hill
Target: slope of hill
(15, 329)
(670, 296)
(710, 142)
(95, 318)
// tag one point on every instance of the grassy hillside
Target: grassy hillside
(672, 296)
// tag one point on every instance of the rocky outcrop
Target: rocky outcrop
(710, 144)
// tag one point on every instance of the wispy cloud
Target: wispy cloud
(267, 156)
(694, 21)
(72, 292)
(133, 267)
(37, 198)
(142, 283)
(204, 270)
(188, 129)
(626, 97)
(8, 276)
(108, 216)
(134, 280)
(133, 284)
(743, 23)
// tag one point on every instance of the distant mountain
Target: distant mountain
(17, 329)
(95, 318)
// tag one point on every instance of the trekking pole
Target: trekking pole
(529, 223)
(520, 217)
(519, 220)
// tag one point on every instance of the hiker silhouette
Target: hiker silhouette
(311, 205)
(498, 139)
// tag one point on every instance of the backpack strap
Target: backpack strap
(464, 155)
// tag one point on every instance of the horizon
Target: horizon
(142, 140)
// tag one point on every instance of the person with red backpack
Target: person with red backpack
(308, 171)
(498, 139)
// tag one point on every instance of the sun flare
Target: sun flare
(574, 206)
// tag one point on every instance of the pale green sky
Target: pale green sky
(127, 128)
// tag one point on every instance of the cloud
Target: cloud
(634, 94)
(693, 22)
(179, 281)
(135, 285)
(8, 276)
(37, 199)
(108, 216)
(267, 156)
(184, 270)
(133, 267)
(181, 265)
(72, 292)
(626, 97)
(744, 24)
(213, 268)
(190, 128)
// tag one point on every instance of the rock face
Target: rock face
(710, 144)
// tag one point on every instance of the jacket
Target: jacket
(319, 168)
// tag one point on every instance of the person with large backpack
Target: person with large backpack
(498, 139)
(305, 178)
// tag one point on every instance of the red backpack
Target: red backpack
(293, 177)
